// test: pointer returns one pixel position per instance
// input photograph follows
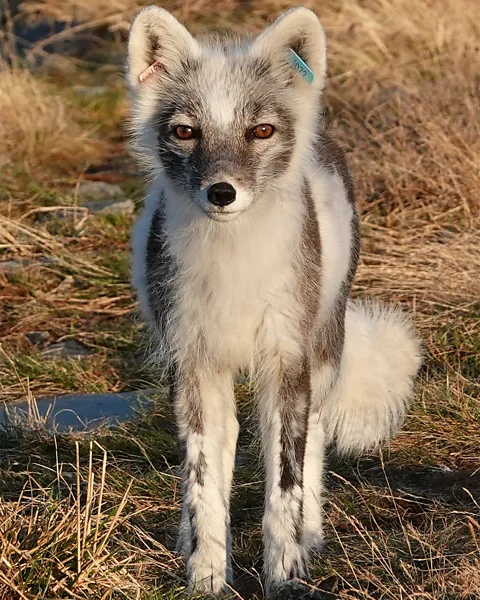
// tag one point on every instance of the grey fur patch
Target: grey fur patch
(188, 402)
(160, 271)
(332, 156)
(294, 401)
(197, 468)
(311, 256)
(193, 530)
(329, 343)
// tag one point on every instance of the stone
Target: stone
(19, 264)
(94, 90)
(64, 213)
(37, 338)
(79, 412)
(10, 266)
(385, 94)
(66, 349)
(110, 207)
(97, 190)
(294, 589)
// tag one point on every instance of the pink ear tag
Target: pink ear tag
(151, 70)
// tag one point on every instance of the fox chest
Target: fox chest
(233, 314)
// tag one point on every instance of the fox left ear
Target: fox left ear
(300, 30)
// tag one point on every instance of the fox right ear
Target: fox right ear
(156, 46)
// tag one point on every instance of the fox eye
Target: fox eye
(184, 132)
(263, 131)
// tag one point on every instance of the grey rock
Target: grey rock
(387, 94)
(10, 266)
(37, 338)
(64, 213)
(110, 207)
(66, 349)
(19, 264)
(295, 589)
(97, 190)
(444, 235)
(79, 412)
(94, 90)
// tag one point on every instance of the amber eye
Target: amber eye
(183, 132)
(263, 131)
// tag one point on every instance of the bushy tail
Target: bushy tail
(379, 364)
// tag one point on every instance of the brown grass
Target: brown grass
(71, 533)
(403, 100)
(38, 128)
(74, 532)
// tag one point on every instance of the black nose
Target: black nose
(221, 193)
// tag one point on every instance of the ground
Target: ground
(95, 516)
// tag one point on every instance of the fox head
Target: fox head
(225, 120)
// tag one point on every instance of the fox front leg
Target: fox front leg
(208, 429)
(284, 406)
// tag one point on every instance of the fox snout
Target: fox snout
(223, 200)
(221, 194)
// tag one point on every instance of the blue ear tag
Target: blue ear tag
(299, 65)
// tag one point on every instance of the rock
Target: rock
(37, 338)
(444, 235)
(10, 266)
(392, 93)
(295, 589)
(118, 168)
(80, 412)
(41, 41)
(110, 207)
(19, 264)
(64, 213)
(66, 349)
(97, 190)
(100, 197)
(94, 90)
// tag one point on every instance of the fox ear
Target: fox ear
(300, 30)
(157, 44)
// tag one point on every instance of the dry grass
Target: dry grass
(74, 533)
(403, 100)
(115, 13)
(38, 128)
(395, 546)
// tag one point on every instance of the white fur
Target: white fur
(219, 96)
(380, 360)
(334, 214)
(313, 482)
(275, 42)
(176, 42)
(223, 284)
(207, 565)
(283, 552)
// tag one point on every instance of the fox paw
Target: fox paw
(206, 575)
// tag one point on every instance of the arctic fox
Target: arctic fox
(243, 258)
